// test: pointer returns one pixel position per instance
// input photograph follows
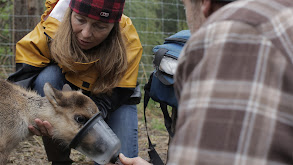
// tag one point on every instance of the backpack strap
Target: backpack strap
(159, 56)
(157, 61)
(167, 119)
(154, 156)
(180, 40)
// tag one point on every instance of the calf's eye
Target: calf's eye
(80, 119)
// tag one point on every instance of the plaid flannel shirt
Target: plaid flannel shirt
(235, 88)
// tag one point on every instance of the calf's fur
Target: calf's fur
(65, 110)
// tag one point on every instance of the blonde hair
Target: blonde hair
(111, 53)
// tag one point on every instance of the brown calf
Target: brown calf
(66, 110)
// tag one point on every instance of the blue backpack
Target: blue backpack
(160, 85)
(161, 89)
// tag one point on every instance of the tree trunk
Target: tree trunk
(26, 16)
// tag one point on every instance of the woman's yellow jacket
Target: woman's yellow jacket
(33, 52)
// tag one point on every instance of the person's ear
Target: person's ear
(206, 7)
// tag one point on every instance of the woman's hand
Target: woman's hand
(44, 128)
(132, 161)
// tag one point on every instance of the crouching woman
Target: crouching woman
(92, 46)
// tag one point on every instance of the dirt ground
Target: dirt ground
(31, 152)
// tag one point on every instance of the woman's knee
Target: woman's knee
(51, 74)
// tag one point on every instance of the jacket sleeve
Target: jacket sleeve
(33, 48)
(32, 52)
(31, 57)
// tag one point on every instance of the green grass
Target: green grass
(154, 115)
(157, 124)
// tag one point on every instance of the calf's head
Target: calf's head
(72, 109)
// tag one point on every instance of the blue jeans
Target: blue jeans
(122, 121)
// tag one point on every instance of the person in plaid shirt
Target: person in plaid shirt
(234, 84)
(93, 47)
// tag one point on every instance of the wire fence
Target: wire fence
(154, 21)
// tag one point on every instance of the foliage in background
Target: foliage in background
(154, 20)
(6, 48)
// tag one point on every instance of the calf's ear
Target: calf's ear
(52, 94)
(66, 87)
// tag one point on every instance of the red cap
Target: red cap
(109, 11)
